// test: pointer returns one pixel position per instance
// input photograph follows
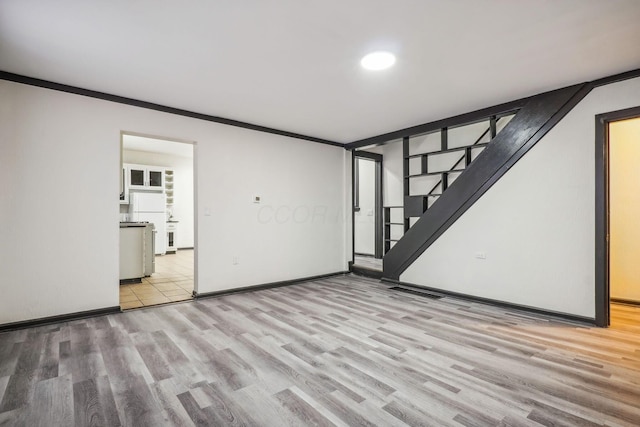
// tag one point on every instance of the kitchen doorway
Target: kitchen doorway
(157, 221)
(617, 211)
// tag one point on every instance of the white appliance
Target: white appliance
(131, 252)
(151, 207)
(137, 259)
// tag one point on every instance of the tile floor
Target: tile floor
(172, 281)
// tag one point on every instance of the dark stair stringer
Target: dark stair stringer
(534, 120)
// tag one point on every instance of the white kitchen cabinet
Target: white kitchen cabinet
(145, 177)
(131, 252)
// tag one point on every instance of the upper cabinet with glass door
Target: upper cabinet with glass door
(144, 177)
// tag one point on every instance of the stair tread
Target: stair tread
(435, 173)
(448, 150)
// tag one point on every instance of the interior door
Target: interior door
(365, 208)
(368, 233)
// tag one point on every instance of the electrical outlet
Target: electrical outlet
(235, 260)
(481, 255)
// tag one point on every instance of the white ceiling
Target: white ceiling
(161, 146)
(294, 65)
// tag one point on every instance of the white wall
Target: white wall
(59, 209)
(392, 174)
(182, 168)
(364, 219)
(536, 225)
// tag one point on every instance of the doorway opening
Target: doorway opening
(157, 221)
(617, 213)
(367, 210)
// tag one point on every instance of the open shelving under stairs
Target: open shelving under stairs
(431, 164)
(433, 161)
(393, 226)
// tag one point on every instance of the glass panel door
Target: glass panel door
(155, 178)
(136, 176)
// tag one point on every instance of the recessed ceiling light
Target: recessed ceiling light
(378, 61)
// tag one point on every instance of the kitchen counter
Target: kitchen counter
(133, 224)
(137, 258)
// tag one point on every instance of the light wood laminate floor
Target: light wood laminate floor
(367, 262)
(341, 351)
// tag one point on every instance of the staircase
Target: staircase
(441, 183)
(442, 166)
(438, 163)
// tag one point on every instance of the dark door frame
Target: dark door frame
(379, 238)
(602, 209)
